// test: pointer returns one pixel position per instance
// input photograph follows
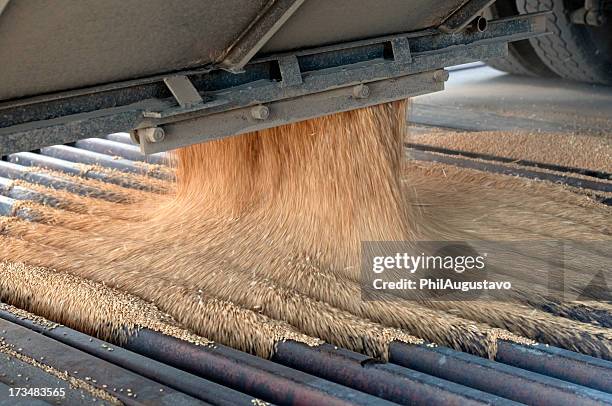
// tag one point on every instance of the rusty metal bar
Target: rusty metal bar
(513, 383)
(128, 387)
(13, 171)
(389, 381)
(172, 377)
(247, 373)
(559, 363)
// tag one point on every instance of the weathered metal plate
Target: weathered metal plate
(61, 45)
(324, 22)
(47, 46)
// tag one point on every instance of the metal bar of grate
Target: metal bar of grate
(75, 168)
(93, 158)
(9, 207)
(121, 149)
(513, 383)
(6, 206)
(22, 376)
(522, 162)
(17, 192)
(563, 364)
(508, 170)
(128, 387)
(389, 381)
(123, 138)
(7, 400)
(21, 193)
(13, 171)
(247, 373)
(174, 378)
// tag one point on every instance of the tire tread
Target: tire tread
(562, 51)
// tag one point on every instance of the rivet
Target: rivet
(260, 112)
(361, 91)
(440, 75)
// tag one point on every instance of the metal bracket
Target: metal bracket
(291, 74)
(183, 91)
(401, 50)
(274, 15)
(187, 97)
(176, 111)
(190, 101)
(251, 118)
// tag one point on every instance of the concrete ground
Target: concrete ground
(478, 97)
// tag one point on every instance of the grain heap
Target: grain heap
(249, 203)
(259, 240)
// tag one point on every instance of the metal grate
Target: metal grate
(296, 373)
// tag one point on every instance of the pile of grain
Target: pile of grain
(259, 240)
(574, 150)
(246, 203)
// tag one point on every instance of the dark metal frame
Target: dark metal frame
(270, 91)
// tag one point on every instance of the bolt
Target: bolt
(361, 91)
(594, 18)
(260, 112)
(153, 134)
(440, 75)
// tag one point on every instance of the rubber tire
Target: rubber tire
(573, 51)
(522, 59)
